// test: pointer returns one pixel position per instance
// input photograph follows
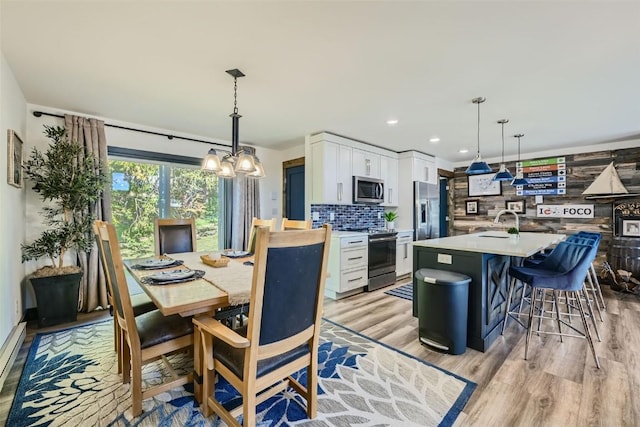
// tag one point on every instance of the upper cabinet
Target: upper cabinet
(331, 173)
(424, 168)
(366, 163)
(389, 174)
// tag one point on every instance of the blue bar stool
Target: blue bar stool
(564, 271)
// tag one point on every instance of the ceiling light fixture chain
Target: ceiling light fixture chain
(235, 95)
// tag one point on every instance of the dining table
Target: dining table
(211, 289)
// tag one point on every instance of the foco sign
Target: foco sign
(564, 211)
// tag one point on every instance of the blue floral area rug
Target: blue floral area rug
(70, 379)
(405, 291)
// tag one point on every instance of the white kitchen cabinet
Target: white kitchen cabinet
(404, 253)
(425, 170)
(389, 174)
(332, 177)
(366, 163)
(348, 264)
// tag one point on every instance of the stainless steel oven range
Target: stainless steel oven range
(382, 258)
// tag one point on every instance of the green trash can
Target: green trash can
(443, 307)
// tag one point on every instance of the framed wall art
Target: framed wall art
(484, 185)
(471, 207)
(14, 159)
(518, 206)
(631, 228)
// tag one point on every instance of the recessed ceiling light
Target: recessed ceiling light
(463, 150)
(392, 122)
(434, 139)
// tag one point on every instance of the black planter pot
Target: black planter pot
(57, 298)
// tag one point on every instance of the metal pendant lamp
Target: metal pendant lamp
(239, 160)
(519, 178)
(478, 166)
(503, 174)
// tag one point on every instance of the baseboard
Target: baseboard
(10, 350)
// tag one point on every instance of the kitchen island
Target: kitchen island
(486, 258)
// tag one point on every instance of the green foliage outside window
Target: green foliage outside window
(193, 193)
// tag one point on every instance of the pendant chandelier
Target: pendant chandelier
(519, 179)
(503, 174)
(238, 160)
(478, 166)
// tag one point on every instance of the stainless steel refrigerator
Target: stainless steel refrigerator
(426, 211)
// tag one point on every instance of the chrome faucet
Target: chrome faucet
(495, 221)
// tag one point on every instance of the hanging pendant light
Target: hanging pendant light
(519, 179)
(503, 174)
(478, 166)
(239, 160)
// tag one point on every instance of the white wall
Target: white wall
(12, 205)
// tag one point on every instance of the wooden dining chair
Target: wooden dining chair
(140, 302)
(259, 361)
(294, 224)
(174, 235)
(257, 222)
(145, 338)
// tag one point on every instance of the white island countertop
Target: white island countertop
(495, 242)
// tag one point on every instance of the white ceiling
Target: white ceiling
(565, 74)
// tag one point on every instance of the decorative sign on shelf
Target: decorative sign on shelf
(564, 211)
(544, 176)
(626, 216)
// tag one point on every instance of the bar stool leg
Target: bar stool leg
(591, 314)
(597, 286)
(512, 284)
(530, 322)
(557, 307)
(593, 290)
(586, 329)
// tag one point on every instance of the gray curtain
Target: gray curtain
(245, 206)
(90, 134)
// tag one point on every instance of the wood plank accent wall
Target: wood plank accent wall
(582, 169)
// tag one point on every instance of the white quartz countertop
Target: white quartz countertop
(495, 242)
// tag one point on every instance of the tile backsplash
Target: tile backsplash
(349, 216)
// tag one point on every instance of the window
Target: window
(147, 185)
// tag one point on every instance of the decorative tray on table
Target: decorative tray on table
(222, 262)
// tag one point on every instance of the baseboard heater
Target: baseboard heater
(10, 350)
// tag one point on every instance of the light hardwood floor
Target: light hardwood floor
(558, 386)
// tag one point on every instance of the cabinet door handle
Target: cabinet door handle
(355, 280)
(356, 241)
(406, 250)
(426, 173)
(351, 259)
(339, 191)
(390, 190)
(367, 162)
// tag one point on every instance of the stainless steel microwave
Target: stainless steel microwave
(368, 190)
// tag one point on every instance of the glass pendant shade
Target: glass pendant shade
(211, 161)
(478, 166)
(259, 173)
(245, 163)
(226, 169)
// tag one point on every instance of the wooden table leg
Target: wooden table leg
(197, 364)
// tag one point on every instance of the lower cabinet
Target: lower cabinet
(404, 253)
(348, 265)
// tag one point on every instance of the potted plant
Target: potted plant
(514, 232)
(68, 182)
(390, 217)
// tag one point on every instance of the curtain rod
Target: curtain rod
(170, 137)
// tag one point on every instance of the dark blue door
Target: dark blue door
(294, 192)
(444, 221)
